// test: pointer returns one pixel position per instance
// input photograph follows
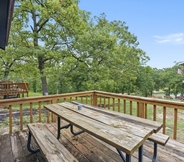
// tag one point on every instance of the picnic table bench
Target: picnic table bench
(50, 147)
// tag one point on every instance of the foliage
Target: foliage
(63, 49)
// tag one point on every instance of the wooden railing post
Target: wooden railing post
(141, 110)
(94, 99)
(10, 118)
(21, 118)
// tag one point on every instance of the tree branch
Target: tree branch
(41, 25)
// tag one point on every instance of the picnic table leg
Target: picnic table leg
(59, 127)
(155, 153)
(121, 154)
(65, 127)
(29, 143)
(128, 158)
(141, 153)
(58, 124)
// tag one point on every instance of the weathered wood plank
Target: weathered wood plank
(90, 151)
(1, 137)
(67, 143)
(159, 138)
(85, 144)
(113, 121)
(133, 119)
(131, 128)
(6, 151)
(29, 156)
(49, 145)
(120, 139)
(173, 151)
(134, 155)
(17, 148)
(87, 151)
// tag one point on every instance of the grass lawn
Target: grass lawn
(33, 94)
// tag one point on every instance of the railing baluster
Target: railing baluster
(31, 112)
(130, 107)
(104, 102)
(137, 108)
(113, 103)
(164, 119)
(154, 112)
(146, 111)
(175, 123)
(100, 101)
(109, 103)
(40, 112)
(10, 118)
(81, 99)
(124, 106)
(70, 99)
(118, 105)
(91, 98)
(21, 118)
(86, 99)
(48, 116)
(53, 115)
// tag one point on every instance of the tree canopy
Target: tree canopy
(59, 48)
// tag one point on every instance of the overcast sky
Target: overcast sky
(158, 24)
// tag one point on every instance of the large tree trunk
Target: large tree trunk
(44, 86)
(6, 75)
(41, 59)
(41, 63)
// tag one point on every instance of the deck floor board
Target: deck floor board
(13, 148)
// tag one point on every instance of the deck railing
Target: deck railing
(8, 89)
(170, 113)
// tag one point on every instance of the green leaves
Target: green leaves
(63, 43)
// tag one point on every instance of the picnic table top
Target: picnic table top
(124, 132)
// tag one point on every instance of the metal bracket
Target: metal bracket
(29, 143)
(75, 133)
(65, 127)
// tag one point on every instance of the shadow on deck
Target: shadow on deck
(84, 147)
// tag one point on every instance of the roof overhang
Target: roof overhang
(6, 12)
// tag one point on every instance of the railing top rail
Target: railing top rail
(153, 101)
(6, 102)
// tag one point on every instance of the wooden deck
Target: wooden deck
(84, 147)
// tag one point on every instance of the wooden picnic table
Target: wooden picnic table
(124, 132)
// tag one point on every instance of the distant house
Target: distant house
(6, 11)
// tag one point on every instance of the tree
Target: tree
(105, 55)
(144, 82)
(47, 27)
(13, 55)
